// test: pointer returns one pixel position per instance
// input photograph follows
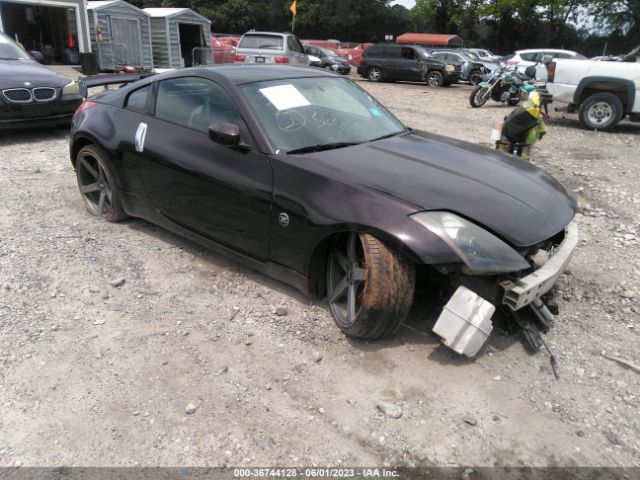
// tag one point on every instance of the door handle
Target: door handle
(141, 133)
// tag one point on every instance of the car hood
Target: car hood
(507, 195)
(13, 74)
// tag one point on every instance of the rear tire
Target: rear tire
(374, 74)
(601, 111)
(479, 96)
(435, 79)
(97, 184)
(370, 286)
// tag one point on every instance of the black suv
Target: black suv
(388, 61)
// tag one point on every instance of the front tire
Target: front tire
(435, 79)
(370, 286)
(479, 96)
(375, 74)
(475, 77)
(97, 184)
(601, 111)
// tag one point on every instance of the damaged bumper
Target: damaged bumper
(465, 321)
(527, 289)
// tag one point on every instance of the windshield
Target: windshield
(11, 51)
(300, 113)
(327, 51)
(423, 51)
(261, 41)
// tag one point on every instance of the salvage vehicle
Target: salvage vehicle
(329, 59)
(388, 61)
(603, 93)
(472, 69)
(302, 175)
(32, 95)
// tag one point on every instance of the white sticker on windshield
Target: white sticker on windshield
(284, 97)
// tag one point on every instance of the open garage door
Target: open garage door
(48, 29)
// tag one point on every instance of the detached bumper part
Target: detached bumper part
(465, 322)
(526, 290)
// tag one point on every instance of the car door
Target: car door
(219, 192)
(408, 65)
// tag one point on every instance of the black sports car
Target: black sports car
(301, 174)
(32, 95)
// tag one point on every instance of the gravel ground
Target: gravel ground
(196, 360)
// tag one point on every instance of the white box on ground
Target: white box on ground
(465, 322)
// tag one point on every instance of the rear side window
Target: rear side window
(386, 51)
(530, 56)
(408, 53)
(293, 44)
(195, 103)
(138, 99)
(262, 41)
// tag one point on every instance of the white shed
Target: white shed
(180, 37)
(120, 35)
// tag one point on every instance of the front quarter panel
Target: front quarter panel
(318, 206)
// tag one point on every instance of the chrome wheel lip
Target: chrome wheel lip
(94, 185)
(600, 113)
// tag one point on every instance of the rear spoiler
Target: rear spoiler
(85, 83)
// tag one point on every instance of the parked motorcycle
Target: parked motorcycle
(503, 86)
(523, 127)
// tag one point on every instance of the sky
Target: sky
(407, 3)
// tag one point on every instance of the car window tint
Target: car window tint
(195, 103)
(407, 53)
(529, 57)
(262, 41)
(137, 100)
(293, 44)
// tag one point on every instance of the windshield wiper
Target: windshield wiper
(322, 146)
(388, 135)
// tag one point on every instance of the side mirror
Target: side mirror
(225, 133)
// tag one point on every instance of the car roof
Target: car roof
(280, 34)
(533, 50)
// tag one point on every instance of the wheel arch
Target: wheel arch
(77, 144)
(624, 89)
(318, 260)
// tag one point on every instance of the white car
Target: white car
(522, 59)
(534, 55)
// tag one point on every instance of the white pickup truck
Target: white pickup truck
(602, 93)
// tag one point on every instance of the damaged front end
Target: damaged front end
(495, 278)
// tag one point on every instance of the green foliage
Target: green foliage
(501, 25)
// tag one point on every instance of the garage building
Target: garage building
(120, 35)
(180, 37)
(58, 29)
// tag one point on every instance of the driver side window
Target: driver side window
(195, 102)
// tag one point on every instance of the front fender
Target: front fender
(319, 207)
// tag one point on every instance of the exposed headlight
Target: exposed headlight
(71, 88)
(480, 251)
(449, 68)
